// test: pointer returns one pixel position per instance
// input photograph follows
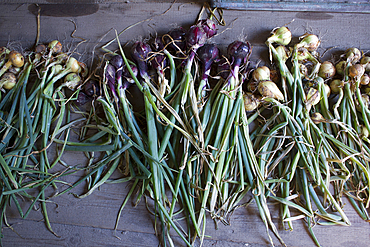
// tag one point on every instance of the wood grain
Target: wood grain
(90, 221)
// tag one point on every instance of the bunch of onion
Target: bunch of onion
(29, 110)
(351, 107)
(311, 137)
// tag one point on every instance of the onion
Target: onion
(341, 67)
(336, 86)
(365, 79)
(8, 81)
(353, 55)
(73, 64)
(239, 52)
(72, 81)
(91, 88)
(312, 97)
(309, 41)
(365, 60)
(251, 102)
(327, 70)
(55, 46)
(284, 53)
(281, 36)
(317, 118)
(269, 89)
(261, 74)
(208, 26)
(356, 71)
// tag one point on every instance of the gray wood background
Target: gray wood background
(89, 221)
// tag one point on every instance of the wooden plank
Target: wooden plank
(89, 221)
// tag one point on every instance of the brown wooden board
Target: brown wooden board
(90, 221)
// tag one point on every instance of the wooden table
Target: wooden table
(89, 221)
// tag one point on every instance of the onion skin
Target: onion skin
(16, 59)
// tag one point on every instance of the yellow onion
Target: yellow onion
(251, 102)
(58, 68)
(336, 85)
(269, 89)
(281, 36)
(14, 59)
(353, 55)
(356, 71)
(340, 67)
(365, 60)
(327, 70)
(8, 81)
(317, 118)
(309, 41)
(312, 97)
(284, 53)
(261, 74)
(365, 79)
(55, 46)
(72, 81)
(73, 65)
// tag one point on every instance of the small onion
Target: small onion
(327, 70)
(8, 80)
(261, 74)
(269, 89)
(72, 81)
(73, 65)
(364, 131)
(55, 46)
(251, 102)
(284, 53)
(356, 71)
(353, 55)
(312, 97)
(340, 67)
(309, 41)
(327, 90)
(365, 60)
(365, 79)
(252, 86)
(16, 59)
(336, 86)
(281, 36)
(317, 118)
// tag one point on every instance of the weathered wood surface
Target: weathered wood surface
(89, 221)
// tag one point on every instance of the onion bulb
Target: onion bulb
(317, 118)
(327, 70)
(269, 89)
(365, 79)
(309, 41)
(72, 81)
(312, 97)
(261, 74)
(340, 67)
(281, 36)
(251, 102)
(336, 86)
(353, 55)
(356, 71)
(365, 60)
(8, 80)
